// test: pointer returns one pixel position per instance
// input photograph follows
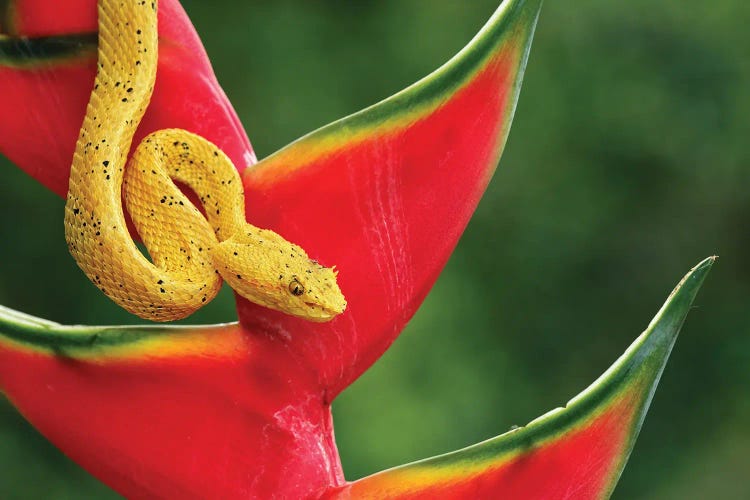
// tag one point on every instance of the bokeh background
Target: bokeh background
(627, 164)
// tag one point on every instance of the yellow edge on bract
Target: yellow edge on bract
(224, 342)
(348, 132)
(81, 56)
(224, 345)
(426, 472)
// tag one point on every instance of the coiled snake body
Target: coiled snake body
(190, 252)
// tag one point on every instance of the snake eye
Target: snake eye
(296, 288)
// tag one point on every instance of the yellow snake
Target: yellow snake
(190, 252)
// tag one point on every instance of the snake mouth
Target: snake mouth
(322, 309)
(323, 312)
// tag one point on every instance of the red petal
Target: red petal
(574, 452)
(44, 98)
(217, 412)
(205, 412)
(385, 194)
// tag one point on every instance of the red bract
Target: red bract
(46, 80)
(243, 411)
(578, 451)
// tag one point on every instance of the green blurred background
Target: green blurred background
(626, 165)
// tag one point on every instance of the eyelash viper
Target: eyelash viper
(190, 252)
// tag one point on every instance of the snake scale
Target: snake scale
(189, 252)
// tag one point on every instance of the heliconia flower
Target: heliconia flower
(243, 410)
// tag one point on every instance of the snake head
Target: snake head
(268, 270)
